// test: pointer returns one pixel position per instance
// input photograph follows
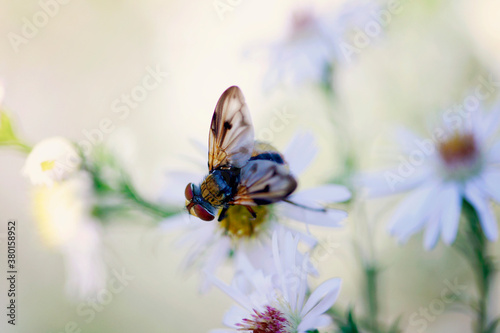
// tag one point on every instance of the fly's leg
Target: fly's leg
(223, 212)
(252, 212)
(254, 216)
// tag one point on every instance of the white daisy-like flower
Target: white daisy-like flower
(312, 44)
(62, 213)
(211, 243)
(278, 302)
(52, 160)
(461, 162)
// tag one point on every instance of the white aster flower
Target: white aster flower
(211, 243)
(462, 162)
(52, 160)
(313, 43)
(278, 302)
(62, 214)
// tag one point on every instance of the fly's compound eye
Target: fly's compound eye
(202, 213)
(188, 192)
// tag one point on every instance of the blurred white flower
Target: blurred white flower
(312, 44)
(211, 243)
(461, 162)
(52, 160)
(62, 212)
(278, 302)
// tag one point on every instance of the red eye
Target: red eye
(202, 213)
(188, 192)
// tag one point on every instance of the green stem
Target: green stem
(16, 144)
(339, 123)
(22, 147)
(120, 197)
(367, 258)
(346, 322)
(481, 264)
(150, 208)
(103, 212)
(371, 276)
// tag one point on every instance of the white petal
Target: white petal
(235, 315)
(484, 212)
(307, 238)
(451, 207)
(302, 285)
(321, 299)
(278, 241)
(198, 241)
(432, 230)
(276, 257)
(322, 194)
(234, 293)
(490, 182)
(494, 153)
(314, 322)
(407, 139)
(392, 181)
(175, 222)
(242, 264)
(300, 152)
(410, 215)
(488, 124)
(61, 153)
(263, 288)
(218, 255)
(289, 252)
(198, 234)
(256, 253)
(328, 218)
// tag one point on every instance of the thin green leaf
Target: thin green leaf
(493, 326)
(350, 325)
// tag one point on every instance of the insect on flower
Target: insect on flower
(241, 171)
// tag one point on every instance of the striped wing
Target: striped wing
(231, 137)
(264, 182)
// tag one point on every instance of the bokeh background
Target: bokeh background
(64, 81)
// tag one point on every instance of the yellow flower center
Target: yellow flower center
(48, 165)
(240, 223)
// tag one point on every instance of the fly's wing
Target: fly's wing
(231, 137)
(263, 182)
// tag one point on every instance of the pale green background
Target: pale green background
(66, 78)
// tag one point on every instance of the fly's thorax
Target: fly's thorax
(219, 186)
(211, 191)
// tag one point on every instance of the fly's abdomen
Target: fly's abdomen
(264, 151)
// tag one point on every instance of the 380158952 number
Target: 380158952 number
(11, 244)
